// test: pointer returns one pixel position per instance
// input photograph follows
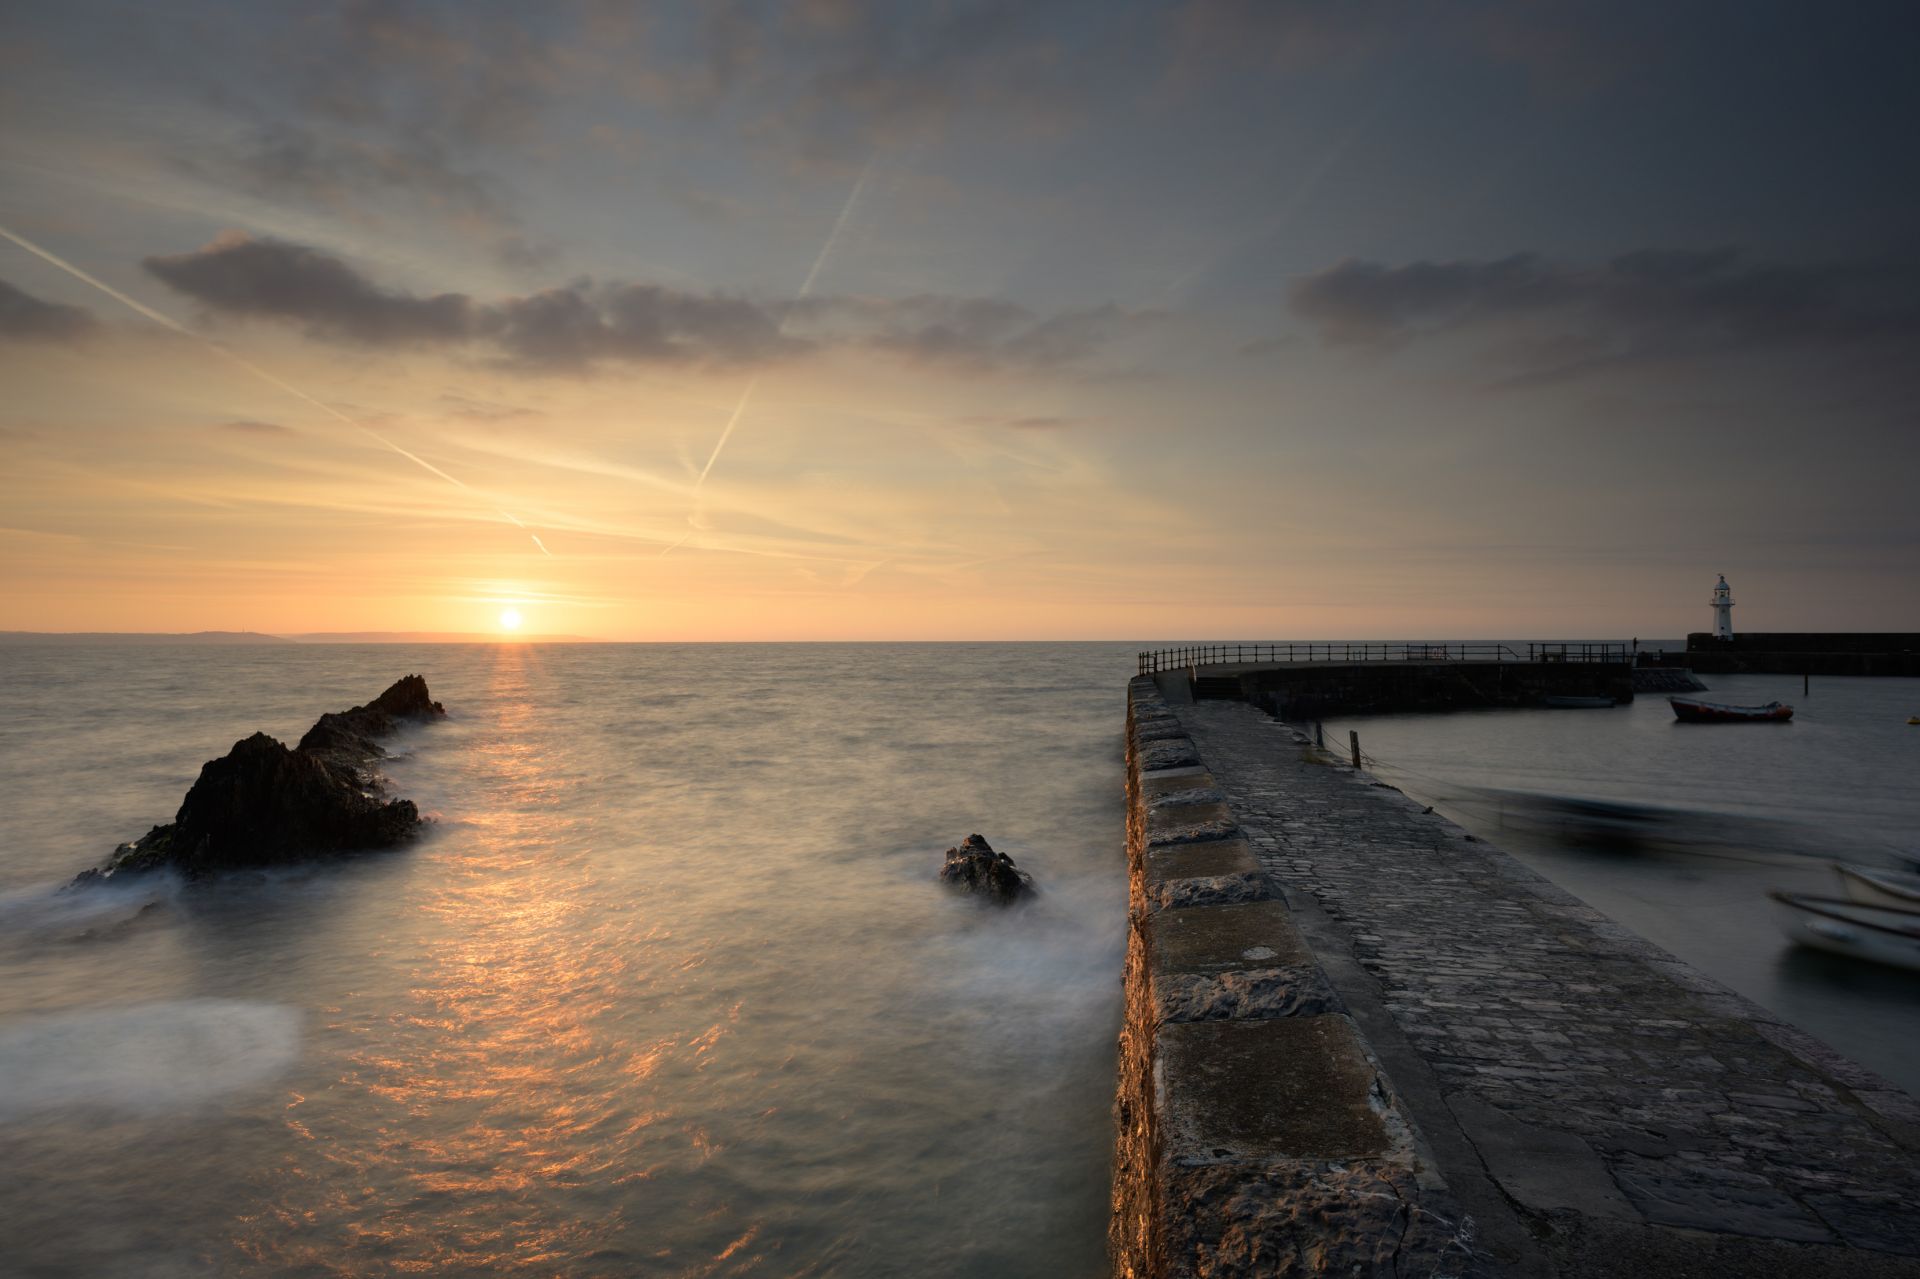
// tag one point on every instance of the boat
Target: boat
(1848, 928)
(1563, 702)
(1913, 719)
(1689, 711)
(1873, 887)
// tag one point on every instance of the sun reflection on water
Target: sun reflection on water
(668, 989)
(488, 1096)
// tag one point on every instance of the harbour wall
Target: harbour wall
(1803, 653)
(1225, 1164)
(1303, 691)
(1358, 1041)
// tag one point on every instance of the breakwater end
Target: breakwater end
(1356, 1041)
(1802, 653)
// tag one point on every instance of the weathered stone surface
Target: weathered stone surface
(1177, 826)
(1169, 780)
(1189, 804)
(1249, 935)
(1287, 1087)
(1302, 1217)
(1200, 859)
(1176, 752)
(262, 804)
(1220, 890)
(1300, 991)
(1238, 1071)
(974, 866)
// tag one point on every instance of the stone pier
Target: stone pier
(1360, 1042)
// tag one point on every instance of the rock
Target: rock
(261, 804)
(975, 867)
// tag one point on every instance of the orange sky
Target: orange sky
(1226, 326)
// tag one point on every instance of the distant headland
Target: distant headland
(257, 637)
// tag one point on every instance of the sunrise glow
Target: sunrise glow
(961, 354)
(510, 620)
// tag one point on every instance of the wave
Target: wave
(62, 912)
(144, 1057)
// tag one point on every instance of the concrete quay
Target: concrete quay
(1358, 1041)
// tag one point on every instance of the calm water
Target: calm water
(669, 989)
(1746, 808)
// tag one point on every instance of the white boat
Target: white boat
(1848, 928)
(1873, 887)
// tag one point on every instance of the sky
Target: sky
(837, 320)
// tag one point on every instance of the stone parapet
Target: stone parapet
(1257, 1132)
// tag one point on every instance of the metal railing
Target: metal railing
(1170, 659)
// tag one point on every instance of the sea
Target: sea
(669, 988)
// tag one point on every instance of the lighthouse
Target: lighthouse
(1723, 610)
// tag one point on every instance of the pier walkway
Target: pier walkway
(1593, 1105)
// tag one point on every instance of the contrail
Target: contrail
(167, 321)
(753, 383)
(806, 288)
(732, 422)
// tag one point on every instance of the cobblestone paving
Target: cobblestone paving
(1703, 1111)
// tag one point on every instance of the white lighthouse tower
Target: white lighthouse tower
(1723, 610)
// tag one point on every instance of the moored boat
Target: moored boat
(1689, 711)
(1564, 702)
(1873, 887)
(1847, 928)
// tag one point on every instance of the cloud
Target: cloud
(25, 318)
(272, 279)
(282, 162)
(903, 77)
(976, 332)
(468, 72)
(1561, 48)
(1367, 303)
(581, 324)
(469, 409)
(248, 426)
(1557, 319)
(518, 253)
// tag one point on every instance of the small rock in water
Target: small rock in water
(975, 867)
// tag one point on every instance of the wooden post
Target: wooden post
(1319, 734)
(1353, 740)
(1806, 682)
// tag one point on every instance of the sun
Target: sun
(510, 620)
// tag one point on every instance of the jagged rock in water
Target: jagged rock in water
(261, 804)
(975, 867)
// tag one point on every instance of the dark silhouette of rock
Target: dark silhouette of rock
(261, 804)
(976, 868)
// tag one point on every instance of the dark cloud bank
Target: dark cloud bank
(1554, 319)
(583, 323)
(26, 318)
